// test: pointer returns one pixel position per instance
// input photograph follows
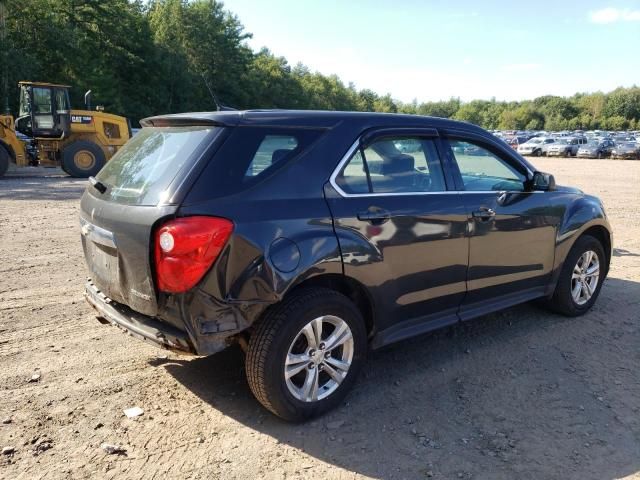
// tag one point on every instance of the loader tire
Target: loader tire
(4, 161)
(82, 159)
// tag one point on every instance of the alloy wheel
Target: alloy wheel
(319, 358)
(585, 277)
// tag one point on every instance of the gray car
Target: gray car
(628, 150)
(596, 149)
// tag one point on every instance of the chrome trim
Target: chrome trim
(97, 234)
(354, 147)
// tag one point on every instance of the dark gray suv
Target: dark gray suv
(309, 237)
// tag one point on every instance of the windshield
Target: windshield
(142, 170)
(563, 141)
(536, 140)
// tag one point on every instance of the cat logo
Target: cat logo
(84, 119)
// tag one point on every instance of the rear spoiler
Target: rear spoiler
(191, 120)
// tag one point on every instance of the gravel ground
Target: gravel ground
(519, 394)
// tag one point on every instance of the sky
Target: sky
(430, 50)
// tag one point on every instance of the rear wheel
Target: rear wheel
(581, 278)
(4, 161)
(305, 354)
(82, 159)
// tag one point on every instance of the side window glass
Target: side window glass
(481, 170)
(273, 149)
(42, 100)
(61, 101)
(353, 177)
(394, 165)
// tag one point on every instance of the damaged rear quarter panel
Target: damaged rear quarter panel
(261, 262)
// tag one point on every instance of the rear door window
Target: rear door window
(143, 169)
(393, 165)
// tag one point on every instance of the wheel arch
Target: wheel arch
(585, 217)
(347, 286)
(603, 236)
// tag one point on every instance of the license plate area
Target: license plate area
(104, 267)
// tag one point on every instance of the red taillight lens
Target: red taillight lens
(185, 248)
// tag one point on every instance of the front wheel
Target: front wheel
(305, 354)
(82, 159)
(581, 278)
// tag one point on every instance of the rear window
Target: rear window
(141, 171)
(248, 156)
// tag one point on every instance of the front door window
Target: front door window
(481, 170)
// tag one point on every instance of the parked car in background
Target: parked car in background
(534, 146)
(269, 229)
(566, 146)
(596, 149)
(407, 146)
(623, 138)
(626, 150)
(517, 140)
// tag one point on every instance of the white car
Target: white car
(534, 146)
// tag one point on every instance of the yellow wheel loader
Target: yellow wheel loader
(79, 141)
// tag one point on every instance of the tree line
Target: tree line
(143, 58)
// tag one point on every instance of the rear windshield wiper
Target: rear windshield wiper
(101, 187)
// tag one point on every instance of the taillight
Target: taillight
(185, 248)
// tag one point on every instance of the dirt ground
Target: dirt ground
(518, 394)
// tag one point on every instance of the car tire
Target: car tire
(4, 161)
(537, 153)
(283, 334)
(82, 159)
(599, 155)
(564, 299)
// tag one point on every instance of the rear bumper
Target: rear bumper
(138, 325)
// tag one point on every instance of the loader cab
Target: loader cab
(45, 110)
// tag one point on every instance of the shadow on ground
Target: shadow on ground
(518, 394)
(40, 184)
(621, 252)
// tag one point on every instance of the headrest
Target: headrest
(398, 164)
(278, 155)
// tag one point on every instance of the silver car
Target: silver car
(565, 147)
(534, 146)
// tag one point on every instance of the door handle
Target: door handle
(376, 216)
(484, 214)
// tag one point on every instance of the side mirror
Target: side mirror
(543, 182)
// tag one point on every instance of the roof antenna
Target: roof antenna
(219, 106)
